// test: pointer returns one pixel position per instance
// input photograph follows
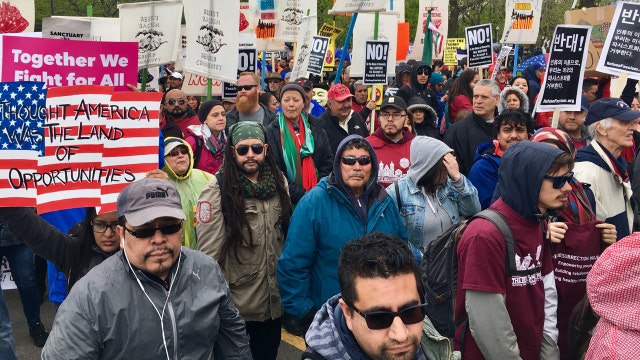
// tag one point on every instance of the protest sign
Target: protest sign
(440, 19)
(196, 85)
(308, 29)
(6, 278)
(364, 30)
(69, 62)
(319, 48)
(332, 33)
(600, 21)
(562, 84)
(357, 6)
(17, 16)
(375, 63)
(449, 56)
(525, 15)
(621, 51)
(94, 142)
(247, 61)
(212, 33)
(101, 28)
(154, 26)
(290, 13)
(66, 29)
(479, 49)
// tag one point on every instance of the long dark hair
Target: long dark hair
(84, 232)
(233, 203)
(461, 85)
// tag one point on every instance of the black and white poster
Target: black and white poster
(375, 62)
(479, 49)
(562, 85)
(318, 52)
(247, 61)
(621, 51)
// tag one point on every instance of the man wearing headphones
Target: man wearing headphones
(154, 299)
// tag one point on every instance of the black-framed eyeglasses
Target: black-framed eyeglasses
(395, 116)
(145, 233)
(378, 320)
(246, 87)
(179, 101)
(177, 151)
(559, 181)
(100, 226)
(243, 150)
(351, 160)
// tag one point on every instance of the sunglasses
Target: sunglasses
(351, 160)
(246, 87)
(423, 72)
(378, 320)
(100, 227)
(243, 150)
(146, 233)
(177, 151)
(179, 101)
(559, 181)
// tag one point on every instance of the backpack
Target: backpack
(440, 270)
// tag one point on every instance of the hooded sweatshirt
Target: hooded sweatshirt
(484, 172)
(613, 285)
(393, 156)
(534, 83)
(527, 302)
(524, 100)
(417, 89)
(393, 88)
(428, 127)
(189, 185)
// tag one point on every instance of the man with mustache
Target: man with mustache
(154, 299)
(247, 246)
(340, 121)
(248, 107)
(347, 204)
(177, 111)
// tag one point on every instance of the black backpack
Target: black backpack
(440, 270)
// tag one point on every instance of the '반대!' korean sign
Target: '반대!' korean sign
(621, 52)
(562, 85)
(480, 51)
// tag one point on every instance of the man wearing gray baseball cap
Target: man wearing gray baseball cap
(154, 299)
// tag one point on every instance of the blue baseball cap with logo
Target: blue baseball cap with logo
(610, 108)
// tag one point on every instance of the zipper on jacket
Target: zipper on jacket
(174, 327)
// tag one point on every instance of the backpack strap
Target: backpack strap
(198, 151)
(397, 189)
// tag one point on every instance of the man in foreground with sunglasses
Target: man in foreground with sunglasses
(506, 307)
(380, 313)
(178, 111)
(347, 204)
(154, 299)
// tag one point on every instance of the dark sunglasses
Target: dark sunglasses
(179, 101)
(378, 320)
(146, 233)
(422, 72)
(246, 87)
(351, 160)
(100, 227)
(243, 150)
(559, 181)
(177, 151)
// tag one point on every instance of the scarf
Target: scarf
(215, 144)
(619, 165)
(264, 189)
(297, 156)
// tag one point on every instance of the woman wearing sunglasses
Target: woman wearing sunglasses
(434, 195)
(301, 149)
(208, 140)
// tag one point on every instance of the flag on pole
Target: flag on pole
(427, 50)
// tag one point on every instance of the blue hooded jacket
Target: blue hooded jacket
(534, 84)
(484, 173)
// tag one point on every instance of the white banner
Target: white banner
(65, 28)
(527, 21)
(308, 29)
(359, 6)
(439, 18)
(101, 28)
(196, 85)
(363, 31)
(265, 16)
(154, 25)
(290, 14)
(17, 16)
(212, 38)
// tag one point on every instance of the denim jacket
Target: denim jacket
(458, 199)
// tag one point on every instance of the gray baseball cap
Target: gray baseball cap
(148, 199)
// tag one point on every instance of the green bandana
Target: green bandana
(246, 130)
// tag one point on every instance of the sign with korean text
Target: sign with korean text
(375, 63)
(479, 49)
(562, 84)
(599, 18)
(621, 52)
(319, 49)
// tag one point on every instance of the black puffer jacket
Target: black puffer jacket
(335, 133)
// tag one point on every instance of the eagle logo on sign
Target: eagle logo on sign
(149, 40)
(292, 16)
(210, 38)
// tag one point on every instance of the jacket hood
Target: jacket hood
(402, 67)
(530, 73)
(588, 153)
(414, 75)
(337, 173)
(520, 176)
(166, 168)
(524, 99)
(425, 152)
(486, 148)
(418, 102)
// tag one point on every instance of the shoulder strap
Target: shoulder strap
(397, 189)
(198, 151)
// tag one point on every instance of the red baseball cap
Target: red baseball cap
(339, 92)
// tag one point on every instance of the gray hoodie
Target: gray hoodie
(425, 153)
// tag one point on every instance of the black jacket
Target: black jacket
(465, 136)
(335, 133)
(322, 154)
(416, 89)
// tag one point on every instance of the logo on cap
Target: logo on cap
(159, 193)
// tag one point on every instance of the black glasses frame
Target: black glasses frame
(243, 150)
(378, 320)
(146, 233)
(246, 87)
(177, 151)
(559, 181)
(101, 227)
(351, 160)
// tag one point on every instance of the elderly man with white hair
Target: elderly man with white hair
(611, 123)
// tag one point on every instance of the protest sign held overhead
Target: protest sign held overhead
(66, 29)
(364, 30)
(357, 6)
(479, 49)
(562, 85)
(290, 14)
(69, 62)
(197, 85)
(319, 48)
(308, 29)
(599, 19)
(375, 63)
(439, 20)
(524, 18)
(332, 33)
(17, 16)
(450, 53)
(621, 51)
(247, 61)
(154, 26)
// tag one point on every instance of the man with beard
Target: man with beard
(347, 204)
(380, 313)
(141, 303)
(573, 123)
(340, 121)
(177, 111)
(248, 179)
(392, 141)
(248, 107)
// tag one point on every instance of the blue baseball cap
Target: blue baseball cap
(610, 108)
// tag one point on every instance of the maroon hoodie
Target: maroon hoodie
(393, 157)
